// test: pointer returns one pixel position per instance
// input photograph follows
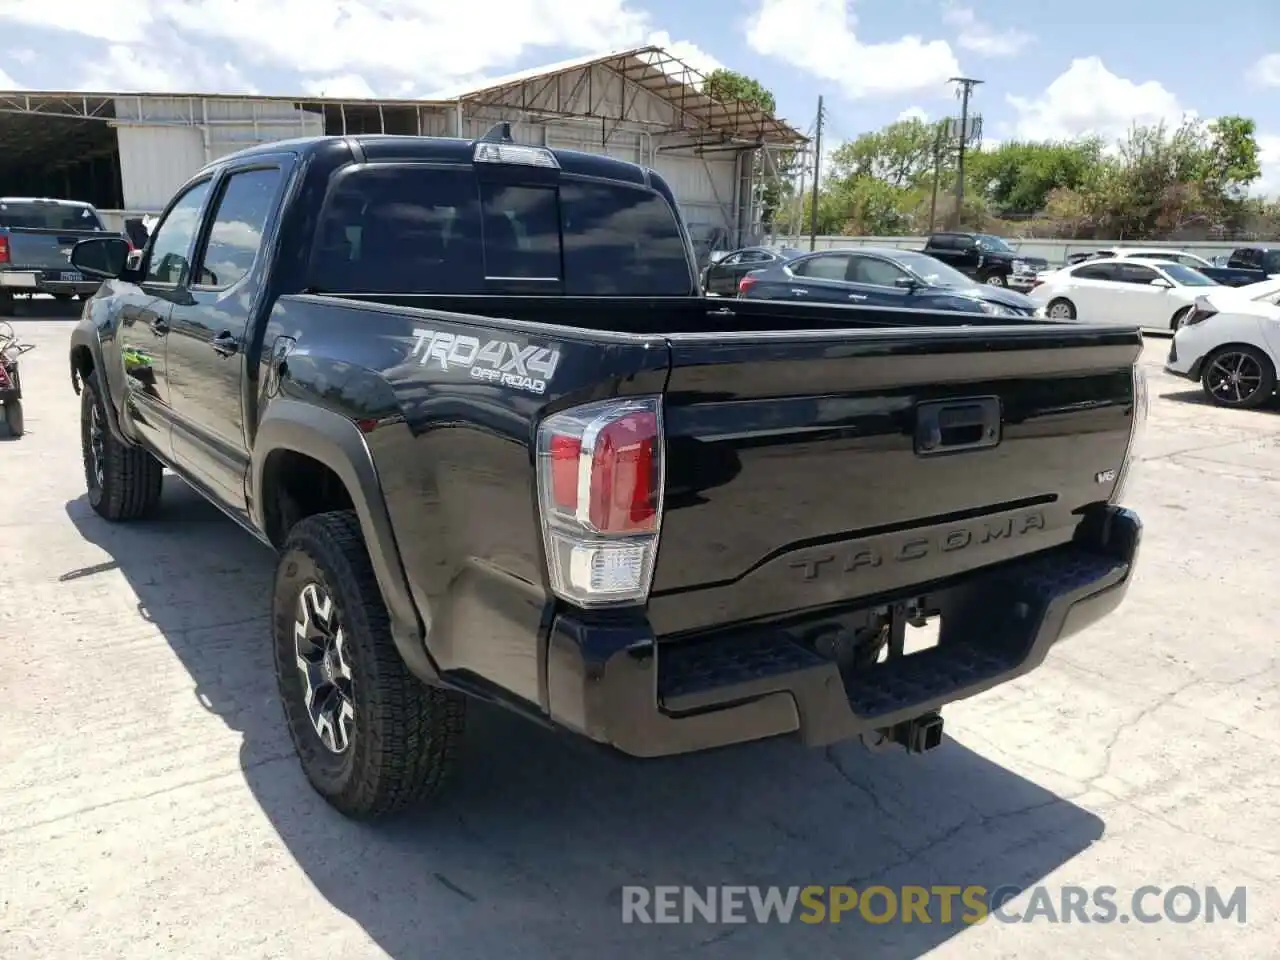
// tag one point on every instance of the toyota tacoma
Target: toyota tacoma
(470, 394)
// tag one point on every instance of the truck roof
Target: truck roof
(387, 146)
(52, 200)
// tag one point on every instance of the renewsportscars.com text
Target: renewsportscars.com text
(939, 904)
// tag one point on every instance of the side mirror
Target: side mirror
(1162, 283)
(909, 284)
(102, 257)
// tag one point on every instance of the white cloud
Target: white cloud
(818, 37)
(23, 56)
(914, 113)
(161, 70)
(1266, 71)
(350, 85)
(119, 21)
(9, 83)
(1269, 161)
(683, 50)
(1088, 99)
(982, 38)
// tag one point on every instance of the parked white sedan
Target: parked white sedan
(1229, 344)
(1153, 294)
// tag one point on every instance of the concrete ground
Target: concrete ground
(151, 804)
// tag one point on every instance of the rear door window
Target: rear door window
(830, 266)
(1095, 271)
(621, 241)
(236, 234)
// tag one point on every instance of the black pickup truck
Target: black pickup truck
(986, 259)
(469, 393)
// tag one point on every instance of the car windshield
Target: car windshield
(988, 242)
(1187, 276)
(47, 215)
(931, 271)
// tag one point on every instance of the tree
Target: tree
(1017, 178)
(901, 154)
(726, 86)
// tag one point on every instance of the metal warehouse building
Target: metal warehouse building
(128, 153)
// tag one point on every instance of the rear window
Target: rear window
(35, 215)
(413, 229)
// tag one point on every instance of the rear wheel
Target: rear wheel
(1177, 319)
(13, 418)
(123, 482)
(371, 737)
(1239, 376)
(1061, 309)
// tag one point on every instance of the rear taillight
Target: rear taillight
(600, 481)
(4, 249)
(746, 283)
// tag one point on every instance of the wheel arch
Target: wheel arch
(294, 435)
(86, 362)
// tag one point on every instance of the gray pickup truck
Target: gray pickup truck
(36, 237)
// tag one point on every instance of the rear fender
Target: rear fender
(85, 336)
(336, 442)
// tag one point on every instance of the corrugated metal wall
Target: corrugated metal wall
(164, 140)
(155, 161)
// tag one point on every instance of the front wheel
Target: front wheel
(997, 280)
(13, 418)
(1239, 376)
(371, 737)
(123, 482)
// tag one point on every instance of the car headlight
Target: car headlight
(997, 309)
(1020, 266)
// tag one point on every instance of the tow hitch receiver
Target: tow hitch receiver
(918, 734)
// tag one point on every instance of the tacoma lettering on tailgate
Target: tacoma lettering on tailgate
(505, 362)
(917, 547)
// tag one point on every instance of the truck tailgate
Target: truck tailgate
(38, 249)
(805, 470)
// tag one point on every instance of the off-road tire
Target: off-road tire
(13, 418)
(405, 733)
(132, 479)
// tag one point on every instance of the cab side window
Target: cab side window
(169, 260)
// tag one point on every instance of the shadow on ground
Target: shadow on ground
(1196, 397)
(527, 853)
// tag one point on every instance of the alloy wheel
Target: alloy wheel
(321, 649)
(1234, 377)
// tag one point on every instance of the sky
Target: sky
(1049, 69)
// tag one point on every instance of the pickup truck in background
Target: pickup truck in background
(986, 259)
(36, 237)
(1253, 264)
(469, 393)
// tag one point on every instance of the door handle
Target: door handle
(224, 344)
(857, 296)
(800, 291)
(160, 326)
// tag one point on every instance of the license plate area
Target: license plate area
(71, 276)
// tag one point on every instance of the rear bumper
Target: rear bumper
(43, 281)
(612, 684)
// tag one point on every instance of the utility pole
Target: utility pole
(937, 172)
(817, 172)
(963, 91)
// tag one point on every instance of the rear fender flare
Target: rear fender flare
(336, 442)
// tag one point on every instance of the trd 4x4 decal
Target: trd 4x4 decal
(522, 367)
